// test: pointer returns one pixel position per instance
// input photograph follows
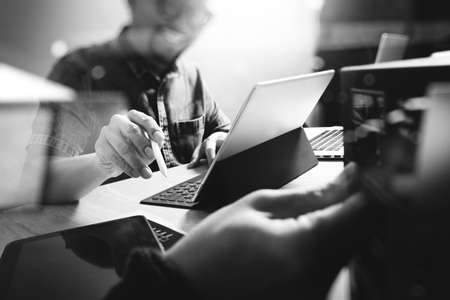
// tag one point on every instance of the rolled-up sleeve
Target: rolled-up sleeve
(72, 124)
(70, 131)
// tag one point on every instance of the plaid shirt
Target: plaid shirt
(178, 101)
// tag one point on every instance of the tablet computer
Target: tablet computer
(82, 263)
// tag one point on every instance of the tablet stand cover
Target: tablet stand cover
(266, 166)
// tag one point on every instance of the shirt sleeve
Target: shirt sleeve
(70, 72)
(148, 275)
(215, 118)
(73, 123)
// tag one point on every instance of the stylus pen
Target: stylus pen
(158, 155)
(155, 147)
(159, 158)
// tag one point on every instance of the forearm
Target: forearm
(72, 178)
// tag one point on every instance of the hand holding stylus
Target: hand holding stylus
(129, 144)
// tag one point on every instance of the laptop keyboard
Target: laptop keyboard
(329, 140)
(166, 236)
(182, 194)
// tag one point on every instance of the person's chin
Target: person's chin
(163, 64)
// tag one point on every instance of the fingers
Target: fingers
(134, 133)
(339, 189)
(292, 203)
(129, 157)
(345, 227)
(110, 159)
(348, 177)
(196, 157)
(334, 234)
(148, 124)
(210, 150)
(207, 149)
(340, 224)
(220, 140)
(124, 143)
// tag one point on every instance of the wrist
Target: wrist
(105, 168)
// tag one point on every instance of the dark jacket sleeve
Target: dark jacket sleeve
(149, 276)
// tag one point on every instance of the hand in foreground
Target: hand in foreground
(275, 244)
(208, 149)
(124, 145)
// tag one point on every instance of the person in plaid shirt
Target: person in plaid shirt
(167, 101)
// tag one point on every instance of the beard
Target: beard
(160, 49)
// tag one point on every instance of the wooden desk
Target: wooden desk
(122, 199)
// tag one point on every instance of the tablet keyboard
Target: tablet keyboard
(181, 195)
(166, 236)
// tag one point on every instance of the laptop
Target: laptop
(266, 146)
(392, 47)
(328, 142)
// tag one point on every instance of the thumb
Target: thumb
(336, 232)
(196, 157)
(293, 203)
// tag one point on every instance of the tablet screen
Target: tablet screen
(82, 263)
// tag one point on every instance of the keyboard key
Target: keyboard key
(166, 236)
(179, 195)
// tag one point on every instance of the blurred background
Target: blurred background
(247, 41)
